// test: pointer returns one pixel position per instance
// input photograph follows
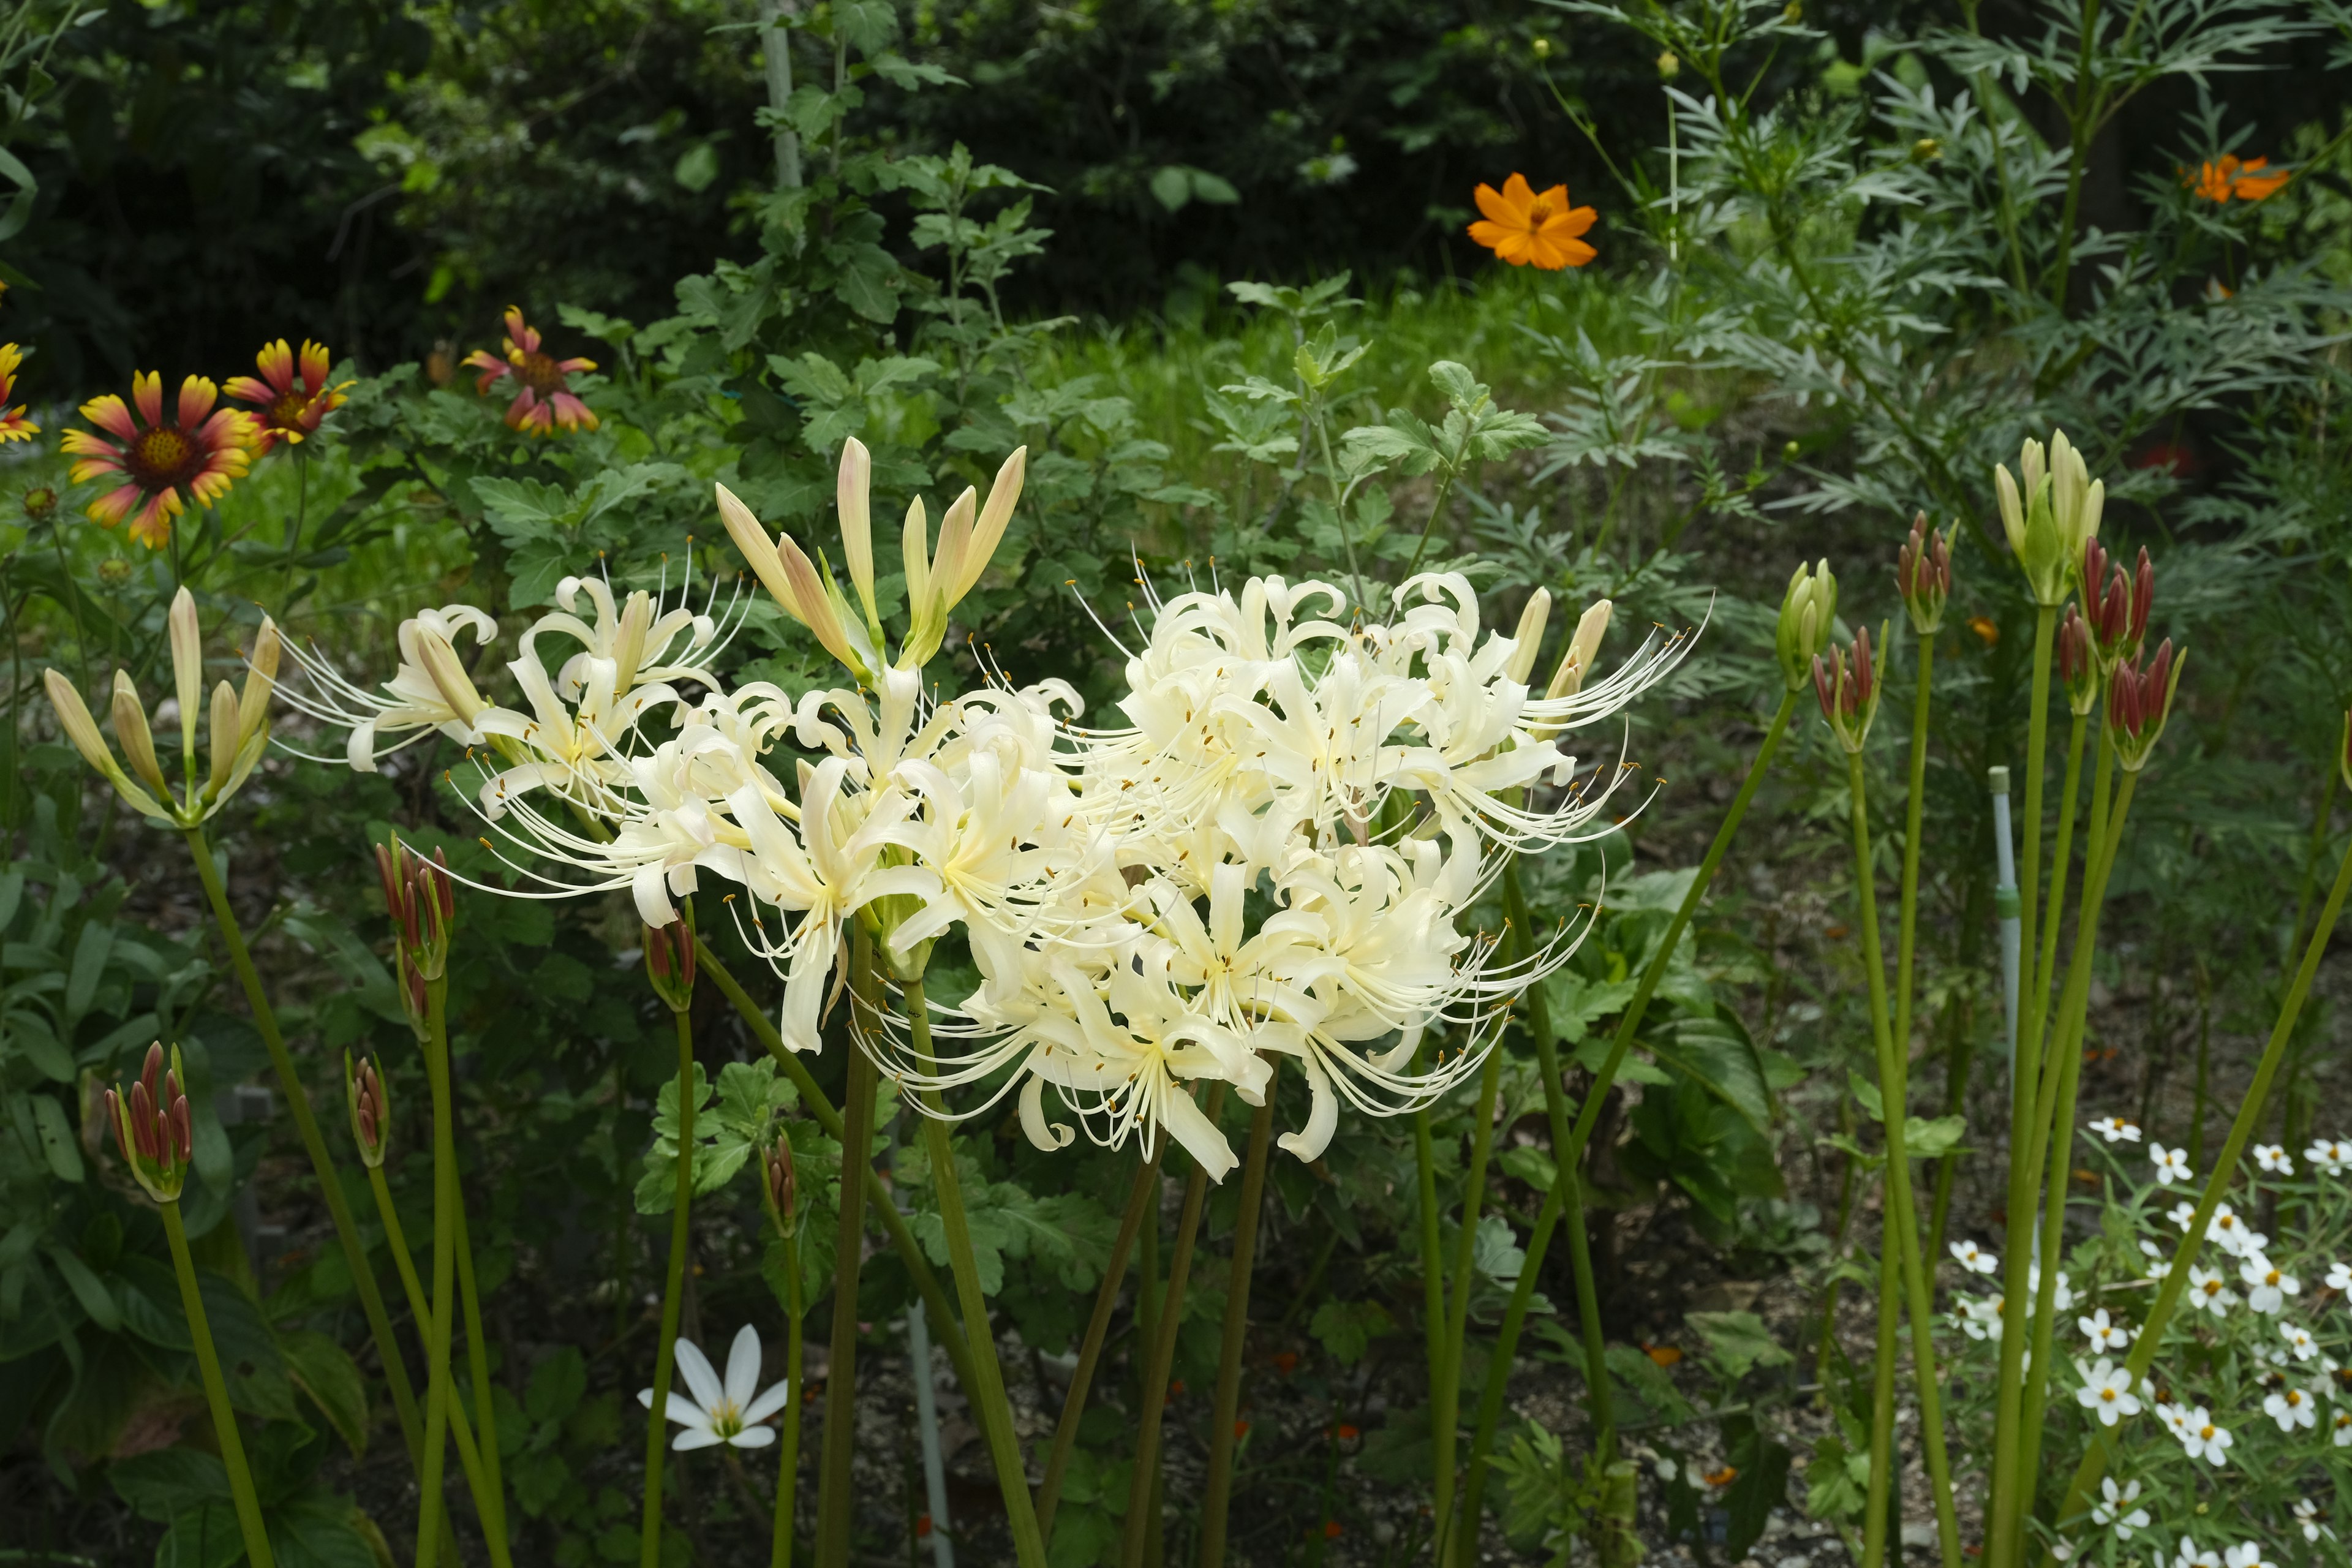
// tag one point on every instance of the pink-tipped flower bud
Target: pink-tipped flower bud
(1923, 575)
(420, 897)
(778, 1189)
(2116, 603)
(154, 1131)
(371, 1109)
(1848, 688)
(669, 961)
(2078, 662)
(2139, 701)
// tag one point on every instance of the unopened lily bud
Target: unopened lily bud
(73, 717)
(669, 961)
(420, 897)
(371, 1109)
(137, 741)
(222, 735)
(152, 1129)
(1808, 613)
(1849, 687)
(2075, 499)
(2139, 701)
(260, 682)
(187, 669)
(850, 491)
(1583, 649)
(2045, 551)
(995, 515)
(1923, 575)
(778, 1189)
(1528, 640)
(2078, 663)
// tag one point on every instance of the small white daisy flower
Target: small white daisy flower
(2106, 1389)
(2307, 1519)
(2228, 1232)
(2115, 1129)
(2269, 1285)
(2272, 1158)
(2182, 1213)
(2248, 1556)
(1979, 1317)
(1975, 1259)
(2329, 1155)
(2339, 1277)
(2299, 1340)
(2159, 1264)
(730, 1412)
(2188, 1556)
(2210, 1289)
(2117, 1510)
(2172, 1164)
(2203, 1440)
(2344, 1428)
(2292, 1407)
(2103, 1334)
(2062, 1295)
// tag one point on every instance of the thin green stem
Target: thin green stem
(1902, 1216)
(314, 1143)
(1448, 1417)
(1434, 1321)
(445, 1268)
(1906, 929)
(2082, 122)
(681, 1238)
(2024, 1074)
(1142, 1198)
(989, 1400)
(1876, 1512)
(788, 1463)
(945, 1331)
(1226, 1412)
(469, 1458)
(835, 1502)
(1143, 1491)
(2044, 972)
(2250, 1111)
(232, 1445)
(490, 1487)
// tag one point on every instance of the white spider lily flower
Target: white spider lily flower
(2115, 1129)
(2106, 1392)
(2330, 1156)
(2172, 1164)
(2299, 1340)
(2267, 1284)
(1975, 1259)
(431, 691)
(2273, 1159)
(2117, 1509)
(2203, 1440)
(2210, 1289)
(2292, 1408)
(713, 1412)
(2103, 1334)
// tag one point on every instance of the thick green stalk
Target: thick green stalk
(945, 1331)
(681, 1238)
(1142, 1198)
(1143, 1491)
(322, 1165)
(2250, 1112)
(2024, 1074)
(491, 1486)
(1906, 928)
(1902, 1215)
(1434, 1321)
(2045, 973)
(232, 1445)
(1227, 1409)
(1876, 1514)
(788, 1464)
(2057, 1128)
(989, 1401)
(445, 1268)
(835, 1503)
(1567, 1154)
(469, 1458)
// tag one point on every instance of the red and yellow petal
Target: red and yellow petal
(108, 414)
(147, 392)
(15, 426)
(114, 505)
(249, 389)
(198, 396)
(315, 365)
(575, 367)
(151, 525)
(572, 413)
(276, 363)
(522, 336)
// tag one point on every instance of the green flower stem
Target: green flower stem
(1142, 1491)
(469, 1458)
(1902, 1215)
(1458, 1326)
(490, 1487)
(445, 1268)
(1433, 1323)
(1569, 1154)
(995, 1410)
(232, 1445)
(2250, 1112)
(298, 1101)
(788, 1464)
(2054, 1128)
(2044, 971)
(1876, 1514)
(673, 1292)
(945, 1331)
(1227, 1409)
(2025, 1075)
(834, 1504)
(1906, 929)
(1142, 1199)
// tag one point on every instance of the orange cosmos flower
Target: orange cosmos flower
(543, 396)
(13, 426)
(1525, 228)
(291, 401)
(2248, 181)
(163, 467)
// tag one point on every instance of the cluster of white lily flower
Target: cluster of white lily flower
(1272, 853)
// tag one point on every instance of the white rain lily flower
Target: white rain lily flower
(2272, 1158)
(730, 1412)
(1975, 1259)
(2210, 1289)
(2115, 1129)
(2230, 1233)
(2172, 1164)
(2183, 1213)
(2339, 1277)
(2103, 1334)
(2106, 1390)
(2116, 1510)
(1979, 1317)
(2299, 1340)
(2330, 1156)
(2203, 1440)
(2308, 1518)
(2292, 1407)
(2186, 1555)
(2268, 1285)
(2174, 1417)
(2248, 1554)
(2160, 1264)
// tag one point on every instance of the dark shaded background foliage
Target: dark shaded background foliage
(388, 174)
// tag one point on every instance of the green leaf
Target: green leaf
(167, 1482)
(1574, 1003)
(1172, 184)
(87, 1287)
(325, 1370)
(1530, 1164)
(1346, 1328)
(1925, 1140)
(1739, 1342)
(696, 168)
(58, 1146)
(90, 951)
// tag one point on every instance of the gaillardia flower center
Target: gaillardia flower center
(540, 371)
(162, 456)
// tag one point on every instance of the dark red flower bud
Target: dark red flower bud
(1823, 689)
(1865, 674)
(114, 1120)
(184, 1136)
(2143, 598)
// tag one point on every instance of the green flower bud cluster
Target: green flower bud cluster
(1808, 613)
